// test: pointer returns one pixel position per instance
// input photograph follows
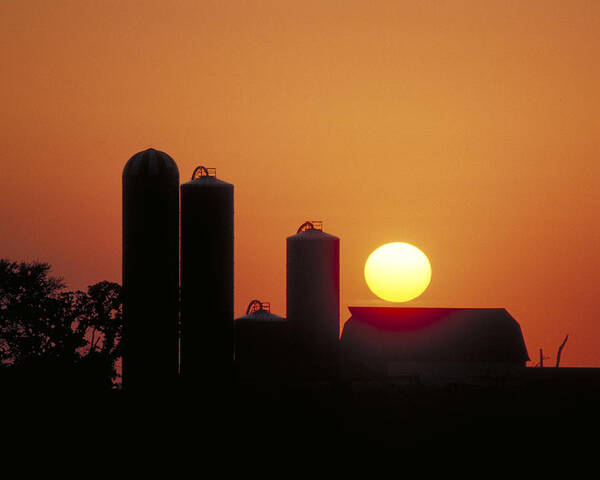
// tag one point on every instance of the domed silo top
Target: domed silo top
(312, 230)
(258, 311)
(206, 177)
(151, 163)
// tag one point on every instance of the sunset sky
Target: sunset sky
(470, 129)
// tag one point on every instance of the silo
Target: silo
(206, 280)
(313, 298)
(150, 271)
(261, 343)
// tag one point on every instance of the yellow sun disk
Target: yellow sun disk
(397, 272)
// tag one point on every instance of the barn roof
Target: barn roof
(434, 334)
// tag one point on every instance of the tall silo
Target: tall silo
(206, 280)
(313, 298)
(150, 271)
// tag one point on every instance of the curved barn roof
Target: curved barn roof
(434, 334)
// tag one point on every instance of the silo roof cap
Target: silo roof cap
(312, 230)
(206, 177)
(151, 163)
(260, 311)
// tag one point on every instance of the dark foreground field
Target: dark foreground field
(547, 411)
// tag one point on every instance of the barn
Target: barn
(436, 344)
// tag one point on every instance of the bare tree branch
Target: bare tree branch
(560, 350)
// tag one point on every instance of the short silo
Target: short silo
(206, 280)
(150, 271)
(261, 343)
(313, 298)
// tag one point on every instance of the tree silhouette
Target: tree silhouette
(55, 338)
(104, 323)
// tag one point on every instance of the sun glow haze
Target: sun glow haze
(397, 272)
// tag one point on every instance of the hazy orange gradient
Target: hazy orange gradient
(469, 129)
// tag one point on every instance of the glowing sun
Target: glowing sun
(397, 272)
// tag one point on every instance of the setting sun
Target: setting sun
(397, 272)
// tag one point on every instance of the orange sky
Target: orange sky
(469, 129)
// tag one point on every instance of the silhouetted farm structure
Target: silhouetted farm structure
(397, 377)
(383, 342)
